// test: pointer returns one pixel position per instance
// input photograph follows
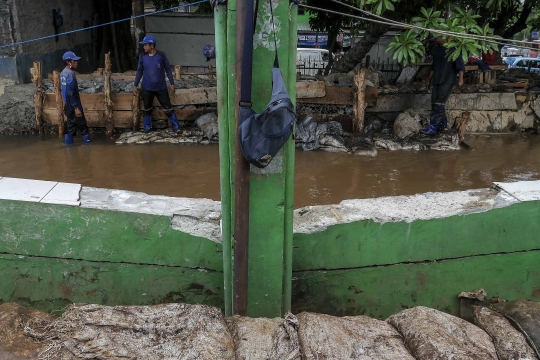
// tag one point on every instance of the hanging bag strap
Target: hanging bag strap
(247, 58)
(276, 60)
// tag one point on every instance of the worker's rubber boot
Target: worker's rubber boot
(174, 122)
(147, 123)
(68, 139)
(444, 125)
(430, 130)
(86, 139)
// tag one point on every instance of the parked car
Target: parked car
(309, 61)
(509, 60)
(532, 64)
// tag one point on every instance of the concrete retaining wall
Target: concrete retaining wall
(488, 111)
(21, 21)
(182, 36)
(372, 256)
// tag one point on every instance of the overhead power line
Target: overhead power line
(389, 22)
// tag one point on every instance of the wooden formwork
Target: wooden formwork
(126, 115)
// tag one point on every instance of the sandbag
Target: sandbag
(208, 123)
(431, 334)
(509, 343)
(351, 337)
(14, 344)
(269, 339)
(169, 331)
(525, 315)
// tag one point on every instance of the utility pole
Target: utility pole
(269, 207)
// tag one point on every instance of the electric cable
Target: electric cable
(100, 25)
(482, 37)
(408, 26)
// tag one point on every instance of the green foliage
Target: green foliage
(462, 22)
(381, 6)
(408, 49)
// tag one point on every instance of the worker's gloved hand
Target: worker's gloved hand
(135, 90)
(78, 112)
(171, 89)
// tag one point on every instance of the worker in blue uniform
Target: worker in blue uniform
(444, 76)
(72, 100)
(153, 65)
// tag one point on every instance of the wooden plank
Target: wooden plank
(183, 115)
(124, 119)
(310, 89)
(194, 96)
(121, 119)
(342, 96)
(123, 102)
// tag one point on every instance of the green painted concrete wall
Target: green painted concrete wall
(378, 269)
(52, 255)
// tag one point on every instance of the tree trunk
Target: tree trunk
(332, 37)
(124, 51)
(355, 55)
(140, 25)
(521, 22)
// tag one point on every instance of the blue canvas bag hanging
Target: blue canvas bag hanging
(262, 136)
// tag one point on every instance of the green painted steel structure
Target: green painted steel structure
(271, 191)
(53, 255)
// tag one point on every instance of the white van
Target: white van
(309, 61)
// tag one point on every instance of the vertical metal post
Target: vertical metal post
(270, 203)
(241, 186)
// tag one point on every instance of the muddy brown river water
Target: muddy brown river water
(320, 177)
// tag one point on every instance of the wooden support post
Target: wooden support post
(136, 110)
(39, 96)
(480, 76)
(359, 103)
(59, 104)
(178, 72)
(460, 124)
(108, 101)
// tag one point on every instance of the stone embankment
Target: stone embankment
(173, 331)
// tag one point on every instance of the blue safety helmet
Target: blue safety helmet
(70, 55)
(148, 39)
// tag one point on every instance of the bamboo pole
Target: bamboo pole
(108, 101)
(359, 103)
(460, 124)
(39, 96)
(59, 104)
(136, 109)
(178, 72)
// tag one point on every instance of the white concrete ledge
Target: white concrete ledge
(202, 217)
(49, 192)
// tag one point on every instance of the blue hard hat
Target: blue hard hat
(148, 39)
(70, 55)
